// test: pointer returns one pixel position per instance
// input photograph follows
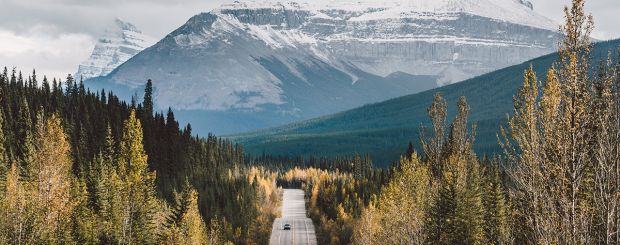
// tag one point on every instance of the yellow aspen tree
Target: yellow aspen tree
(4, 164)
(402, 207)
(367, 227)
(51, 180)
(523, 149)
(17, 219)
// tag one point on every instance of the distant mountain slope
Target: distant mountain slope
(384, 129)
(117, 45)
(266, 63)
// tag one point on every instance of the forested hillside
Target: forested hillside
(81, 166)
(384, 129)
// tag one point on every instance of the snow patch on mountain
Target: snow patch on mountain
(514, 11)
(117, 45)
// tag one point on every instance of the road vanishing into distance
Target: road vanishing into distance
(293, 213)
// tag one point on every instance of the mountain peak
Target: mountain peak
(119, 43)
(125, 26)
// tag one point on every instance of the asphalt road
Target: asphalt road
(293, 213)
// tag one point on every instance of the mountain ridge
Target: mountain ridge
(274, 63)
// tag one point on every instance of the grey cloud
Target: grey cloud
(156, 17)
(61, 33)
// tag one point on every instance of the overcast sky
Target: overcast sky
(54, 36)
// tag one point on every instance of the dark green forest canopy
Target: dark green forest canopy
(384, 129)
(174, 154)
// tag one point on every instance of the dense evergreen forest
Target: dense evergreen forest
(81, 166)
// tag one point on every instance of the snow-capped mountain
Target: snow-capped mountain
(266, 62)
(117, 45)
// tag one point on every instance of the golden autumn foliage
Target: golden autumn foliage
(439, 198)
(269, 199)
(562, 146)
(38, 206)
(51, 170)
(189, 228)
(402, 208)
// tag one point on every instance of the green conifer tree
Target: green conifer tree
(110, 192)
(496, 221)
(148, 100)
(24, 139)
(186, 224)
(138, 223)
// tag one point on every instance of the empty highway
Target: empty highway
(293, 213)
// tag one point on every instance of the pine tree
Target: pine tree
(148, 100)
(110, 192)
(496, 221)
(84, 222)
(358, 167)
(139, 182)
(442, 226)
(25, 145)
(70, 85)
(187, 226)
(410, 150)
(456, 215)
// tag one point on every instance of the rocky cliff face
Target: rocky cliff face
(117, 45)
(266, 62)
(453, 39)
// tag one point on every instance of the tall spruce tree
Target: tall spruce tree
(138, 223)
(25, 149)
(186, 226)
(456, 215)
(110, 193)
(496, 221)
(147, 105)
